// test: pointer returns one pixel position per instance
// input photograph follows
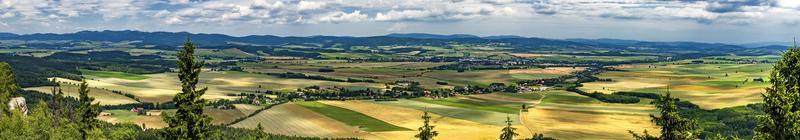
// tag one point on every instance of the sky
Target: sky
(725, 21)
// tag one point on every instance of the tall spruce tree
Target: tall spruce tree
(261, 135)
(508, 131)
(87, 112)
(188, 122)
(8, 86)
(782, 100)
(673, 126)
(426, 132)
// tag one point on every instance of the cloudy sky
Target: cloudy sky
(728, 21)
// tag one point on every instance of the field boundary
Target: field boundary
(254, 113)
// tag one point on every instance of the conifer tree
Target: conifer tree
(87, 111)
(426, 132)
(508, 131)
(261, 134)
(188, 122)
(8, 86)
(782, 100)
(673, 126)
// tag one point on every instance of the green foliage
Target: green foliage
(673, 126)
(782, 100)
(8, 86)
(426, 131)
(732, 121)
(39, 124)
(508, 131)
(188, 122)
(87, 112)
(260, 134)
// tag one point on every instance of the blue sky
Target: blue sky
(727, 21)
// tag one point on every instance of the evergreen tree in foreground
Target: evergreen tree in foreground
(508, 131)
(87, 111)
(261, 134)
(782, 100)
(188, 122)
(426, 132)
(8, 87)
(673, 126)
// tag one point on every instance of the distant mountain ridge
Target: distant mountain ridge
(429, 36)
(518, 43)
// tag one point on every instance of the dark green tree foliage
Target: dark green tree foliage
(188, 122)
(7, 87)
(508, 131)
(260, 134)
(87, 111)
(426, 132)
(673, 126)
(782, 100)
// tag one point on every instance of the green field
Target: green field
(350, 117)
(113, 74)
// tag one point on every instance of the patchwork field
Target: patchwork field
(350, 117)
(111, 74)
(291, 119)
(102, 96)
(708, 85)
(161, 87)
(153, 117)
(567, 115)
(387, 72)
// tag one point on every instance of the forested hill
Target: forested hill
(171, 39)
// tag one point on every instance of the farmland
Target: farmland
(708, 85)
(381, 92)
(102, 96)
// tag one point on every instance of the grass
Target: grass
(350, 117)
(113, 74)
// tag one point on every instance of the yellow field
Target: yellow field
(448, 128)
(104, 97)
(710, 86)
(567, 115)
(291, 119)
(161, 87)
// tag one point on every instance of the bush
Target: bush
(638, 94)
(326, 70)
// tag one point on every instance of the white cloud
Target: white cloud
(339, 17)
(309, 5)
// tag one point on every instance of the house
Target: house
(18, 103)
(136, 109)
